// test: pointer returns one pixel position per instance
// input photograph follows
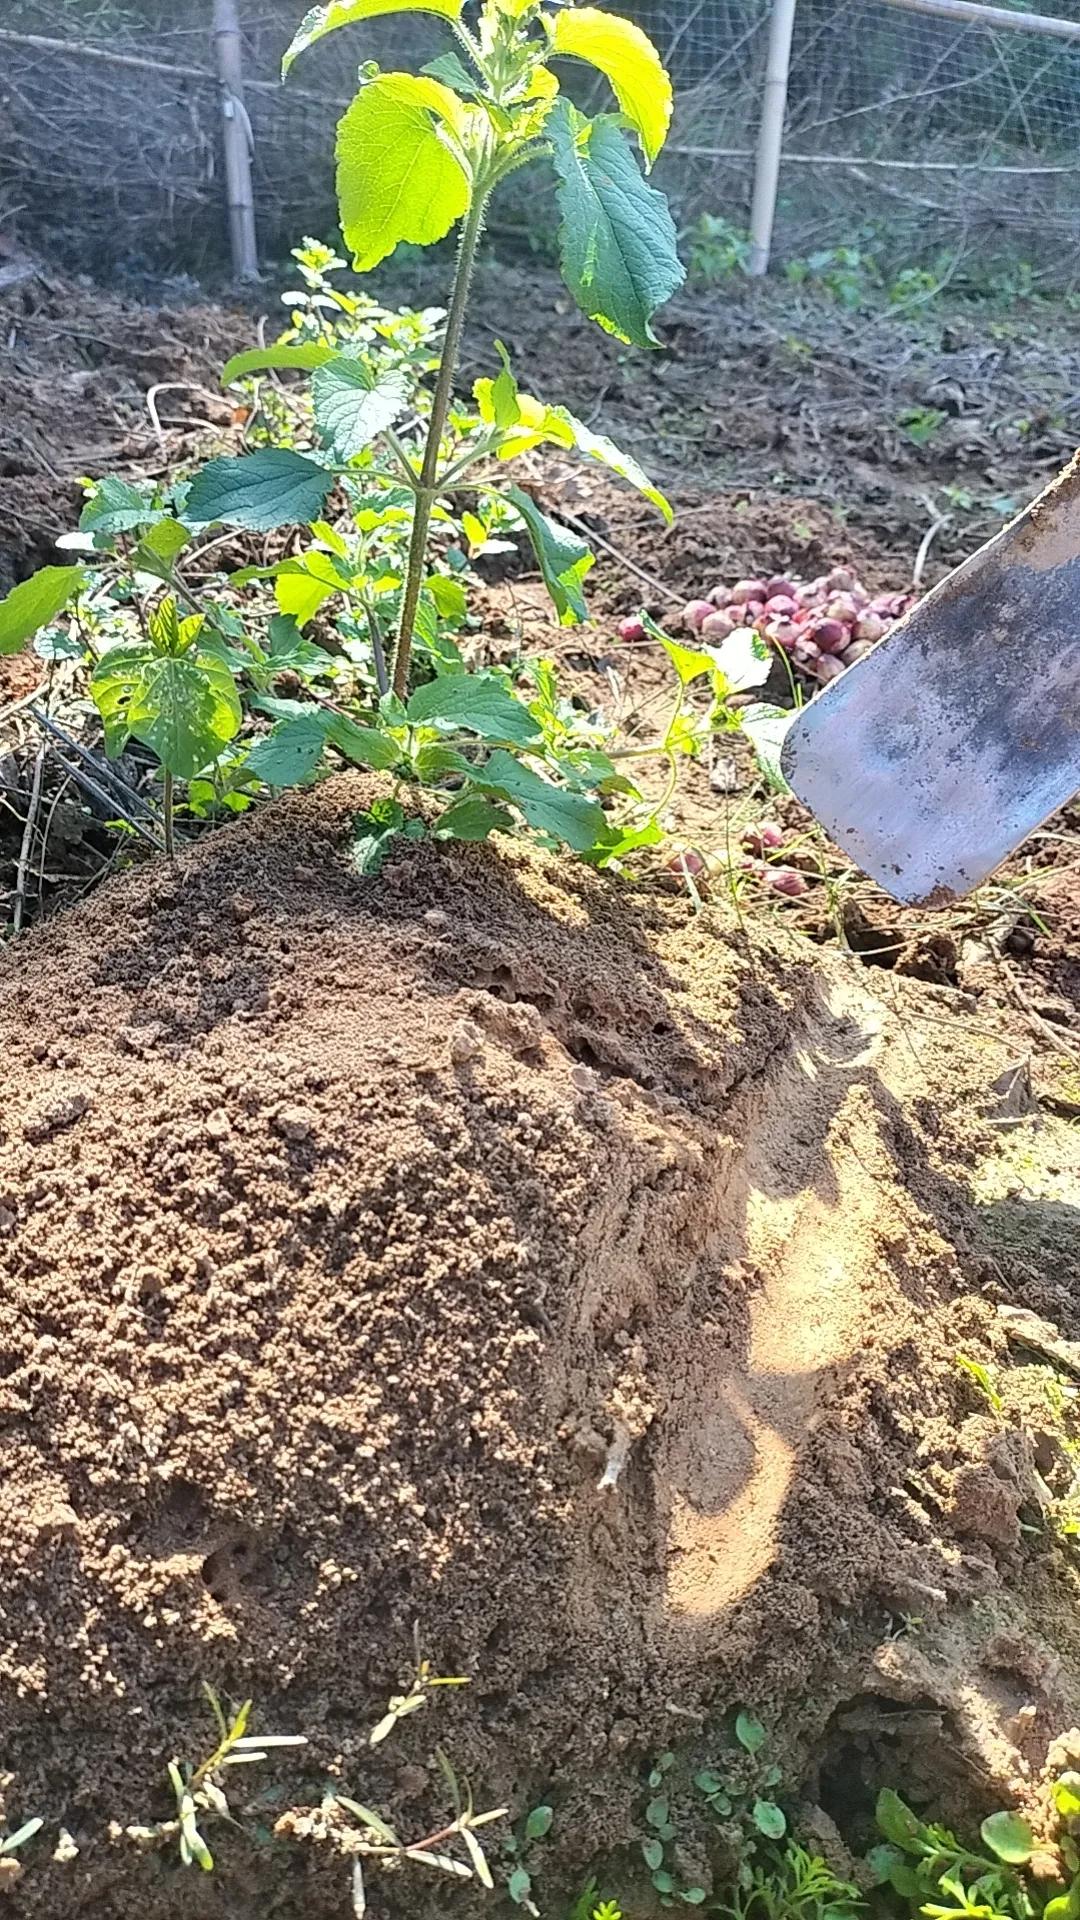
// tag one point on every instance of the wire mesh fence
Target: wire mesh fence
(910, 140)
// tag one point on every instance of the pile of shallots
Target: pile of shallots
(823, 625)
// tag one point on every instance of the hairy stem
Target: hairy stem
(167, 814)
(440, 407)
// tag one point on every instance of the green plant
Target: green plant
(198, 1790)
(717, 249)
(848, 276)
(943, 1879)
(920, 423)
(418, 154)
(793, 1885)
(11, 1842)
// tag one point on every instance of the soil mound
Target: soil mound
(352, 1233)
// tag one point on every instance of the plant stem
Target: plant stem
(440, 407)
(167, 814)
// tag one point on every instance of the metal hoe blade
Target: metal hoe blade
(934, 757)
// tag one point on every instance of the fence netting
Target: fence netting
(911, 141)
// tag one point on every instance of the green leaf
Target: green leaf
(552, 810)
(743, 660)
(163, 541)
(352, 405)
(539, 1822)
(342, 13)
(519, 1886)
(290, 752)
(749, 1732)
(897, 1822)
(13, 1841)
(260, 491)
(627, 57)
(653, 1853)
(396, 176)
(562, 558)
(1009, 1836)
(453, 73)
(116, 507)
(1065, 1793)
(693, 1896)
(451, 600)
(34, 602)
(365, 746)
(597, 446)
(304, 355)
(617, 238)
(302, 585)
(663, 1881)
(766, 729)
(183, 705)
(657, 1813)
(769, 1819)
(476, 701)
(473, 817)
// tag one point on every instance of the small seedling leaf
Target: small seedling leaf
(34, 602)
(1066, 1795)
(617, 240)
(369, 1818)
(342, 13)
(13, 1841)
(441, 1860)
(397, 178)
(769, 1819)
(519, 1886)
(1009, 1836)
(476, 1855)
(653, 1853)
(663, 1881)
(538, 1824)
(897, 1822)
(749, 1732)
(694, 1896)
(656, 1813)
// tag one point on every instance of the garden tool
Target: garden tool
(932, 759)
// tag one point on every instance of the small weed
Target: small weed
(198, 1790)
(11, 1842)
(920, 423)
(717, 249)
(982, 1378)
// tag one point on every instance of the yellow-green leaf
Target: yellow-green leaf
(628, 59)
(342, 13)
(396, 178)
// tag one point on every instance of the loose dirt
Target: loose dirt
(349, 1227)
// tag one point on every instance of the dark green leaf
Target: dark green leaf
(562, 558)
(34, 602)
(1009, 1836)
(539, 1821)
(474, 817)
(617, 238)
(365, 746)
(749, 1732)
(559, 814)
(476, 701)
(304, 355)
(351, 406)
(453, 73)
(260, 491)
(290, 752)
(117, 507)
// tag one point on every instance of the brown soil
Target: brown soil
(347, 1223)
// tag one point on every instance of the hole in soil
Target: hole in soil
(870, 1744)
(230, 1566)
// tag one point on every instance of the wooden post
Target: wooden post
(770, 136)
(236, 129)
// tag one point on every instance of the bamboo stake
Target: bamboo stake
(770, 136)
(237, 129)
(971, 13)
